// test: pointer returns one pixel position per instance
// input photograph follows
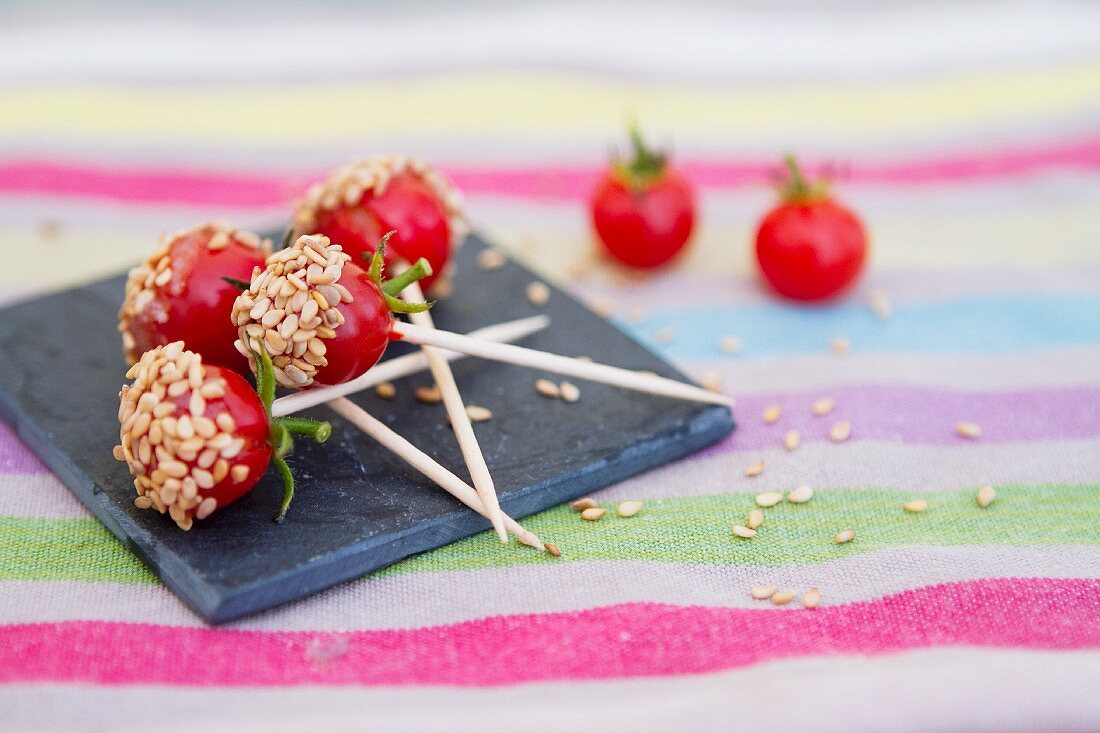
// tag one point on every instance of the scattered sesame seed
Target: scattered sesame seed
(769, 498)
(636, 314)
(580, 505)
(800, 495)
(844, 535)
(840, 432)
(792, 440)
(969, 430)
(628, 508)
(546, 388)
(755, 469)
(744, 532)
(664, 335)
(916, 506)
(538, 293)
(491, 259)
(729, 344)
(712, 380)
(823, 406)
(569, 392)
(811, 598)
(879, 304)
(238, 473)
(428, 395)
(755, 519)
(763, 592)
(986, 495)
(387, 391)
(840, 347)
(772, 414)
(783, 597)
(602, 307)
(477, 413)
(593, 513)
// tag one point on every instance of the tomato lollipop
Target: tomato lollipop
(367, 198)
(197, 437)
(320, 316)
(178, 293)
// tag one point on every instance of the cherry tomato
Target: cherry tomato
(197, 438)
(414, 202)
(810, 247)
(643, 210)
(321, 316)
(192, 302)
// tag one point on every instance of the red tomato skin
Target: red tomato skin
(812, 250)
(363, 336)
(244, 406)
(196, 305)
(647, 227)
(409, 206)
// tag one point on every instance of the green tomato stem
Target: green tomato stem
(419, 270)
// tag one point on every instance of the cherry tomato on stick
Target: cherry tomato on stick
(197, 437)
(367, 198)
(179, 293)
(810, 247)
(643, 209)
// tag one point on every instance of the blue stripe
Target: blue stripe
(981, 325)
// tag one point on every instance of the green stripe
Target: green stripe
(676, 530)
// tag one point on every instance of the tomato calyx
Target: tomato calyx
(647, 165)
(795, 189)
(283, 429)
(392, 287)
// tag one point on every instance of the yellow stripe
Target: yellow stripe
(545, 106)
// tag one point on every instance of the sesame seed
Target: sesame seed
(755, 518)
(744, 532)
(491, 259)
(840, 346)
(800, 495)
(580, 505)
(783, 597)
(712, 380)
(840, 432)
(552, 549)
(387, 391)
(628, 508)
(477, 413)
(569, 392)
(546, 388)
(538, 293)
(792, 440)
(986, 495)
(664, 335)
(755, 469)
(823, 406)
(811, 598)
(763, 592)
(769, 498)
(730, 344)
(428, 395)
(916, 506)
(594, 513)
(143, 502)
(772, 414)
(206, 507)
(969, 430)
(844, 535)
(879, 304)
(238, 473)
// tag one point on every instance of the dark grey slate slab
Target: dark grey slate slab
(357, 508)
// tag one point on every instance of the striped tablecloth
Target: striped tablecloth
(966, 134)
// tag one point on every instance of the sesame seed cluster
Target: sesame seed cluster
(175, 453)
(292, 306)
(348, 184)
(155, 272)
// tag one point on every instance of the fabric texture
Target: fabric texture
(964, 135)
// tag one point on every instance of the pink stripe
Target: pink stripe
(618, 641)
(14, 456)
(244, 191)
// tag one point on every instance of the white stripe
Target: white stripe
(39, 495)
(726, 43)
(417, 600)
(945, 689)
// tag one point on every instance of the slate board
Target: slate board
(358, 508)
